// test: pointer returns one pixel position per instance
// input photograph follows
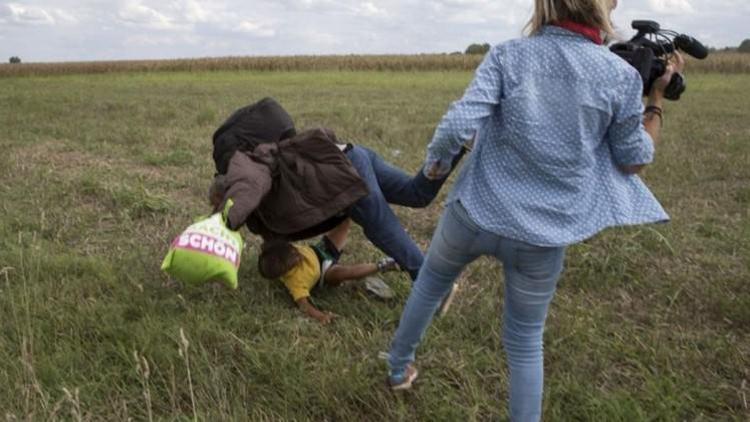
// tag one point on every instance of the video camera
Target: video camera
(649, 50)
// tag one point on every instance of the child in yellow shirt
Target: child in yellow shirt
(302, 267)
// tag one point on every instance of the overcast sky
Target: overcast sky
(73, 30)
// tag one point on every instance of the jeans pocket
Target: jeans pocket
(457, 230)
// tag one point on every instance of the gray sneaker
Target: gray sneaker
(387, 264)
(379, 288)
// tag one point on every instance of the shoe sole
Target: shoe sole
(406, 384)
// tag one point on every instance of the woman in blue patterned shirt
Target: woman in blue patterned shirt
(560, 133)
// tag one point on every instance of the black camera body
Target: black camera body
(649, 50)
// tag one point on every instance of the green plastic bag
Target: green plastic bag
(206, 251)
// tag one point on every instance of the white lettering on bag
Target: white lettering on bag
(184, 240)
(204, 243)
(231, 255)
(207, 243)
(220, 249)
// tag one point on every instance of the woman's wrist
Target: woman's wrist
(655, 98)
(655, 106)
(652, 112)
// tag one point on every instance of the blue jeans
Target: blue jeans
(531, 274)
(390, 185)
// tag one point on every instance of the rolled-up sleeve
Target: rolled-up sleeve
(628, 140)
(466, 116)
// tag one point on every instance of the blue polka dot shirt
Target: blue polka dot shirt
(554, 116)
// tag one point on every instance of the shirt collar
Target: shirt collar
(566, 27)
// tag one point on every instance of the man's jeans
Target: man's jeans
(531, 274)
(390, 185)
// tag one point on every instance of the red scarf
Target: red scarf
(590, 32)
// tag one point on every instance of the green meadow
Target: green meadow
(98, 173)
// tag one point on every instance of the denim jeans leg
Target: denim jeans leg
(450, 251)
(531, 274)
(400, 188)
(380, 224)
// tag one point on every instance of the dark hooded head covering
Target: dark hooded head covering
(263, 122)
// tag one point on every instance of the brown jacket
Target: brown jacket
(294, 187)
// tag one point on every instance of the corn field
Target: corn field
(290, 63)
(724, 62)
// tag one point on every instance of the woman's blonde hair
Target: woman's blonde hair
(586, 12)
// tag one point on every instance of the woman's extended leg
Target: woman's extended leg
(454, 245)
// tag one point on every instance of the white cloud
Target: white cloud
(254, 28)
(314, 3)
(369, 9)
(170, 41)
(135, 13)
(194, 11)
(149, 40)
(25, 15)
(463, 3)
(323, 39)
(674, 7)
(473, 12)
(469, 17)
(319, 6)
(62, 16)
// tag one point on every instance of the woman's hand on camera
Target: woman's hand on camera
(675, 64)
(653, 118)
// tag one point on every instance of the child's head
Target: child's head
(216, 191)
(277, 257)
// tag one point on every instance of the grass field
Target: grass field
(99, 172)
